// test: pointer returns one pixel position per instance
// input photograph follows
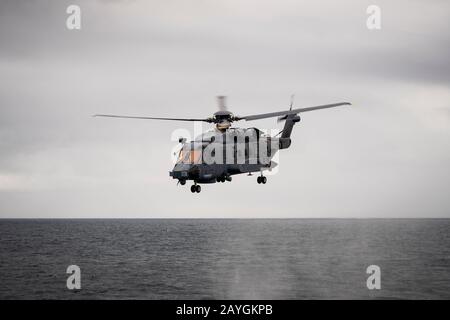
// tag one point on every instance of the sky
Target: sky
(386, 156)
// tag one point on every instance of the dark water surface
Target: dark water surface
(225, 259)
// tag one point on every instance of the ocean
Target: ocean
(225, 258)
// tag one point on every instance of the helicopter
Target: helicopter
(224, 151)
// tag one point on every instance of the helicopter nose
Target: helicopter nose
(185, 172)
(179, 174)
(180, 171)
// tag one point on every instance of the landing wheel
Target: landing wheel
(258, 180)
(182, 182)
(193, 188)
(263, 180)
(198, 188)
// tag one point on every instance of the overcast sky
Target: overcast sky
(388, 155)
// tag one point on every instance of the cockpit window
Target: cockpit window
(188, 156)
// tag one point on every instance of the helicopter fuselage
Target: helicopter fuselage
(216, 156)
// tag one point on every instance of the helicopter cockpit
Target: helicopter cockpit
(191, 153)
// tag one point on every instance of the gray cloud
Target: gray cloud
(386, 156)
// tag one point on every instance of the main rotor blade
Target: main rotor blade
(293, 111)
(150, 118)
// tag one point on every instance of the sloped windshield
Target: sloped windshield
(188, 156)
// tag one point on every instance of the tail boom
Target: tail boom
(285, 139)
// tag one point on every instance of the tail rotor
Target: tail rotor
(282, 118)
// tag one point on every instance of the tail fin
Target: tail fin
(285, 139)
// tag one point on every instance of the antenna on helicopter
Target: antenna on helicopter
(292, 101)
(279, 119)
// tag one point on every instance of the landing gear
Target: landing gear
(261, 179)
(223, 179)
(196, 188)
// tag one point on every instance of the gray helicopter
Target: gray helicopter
(224, 151)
